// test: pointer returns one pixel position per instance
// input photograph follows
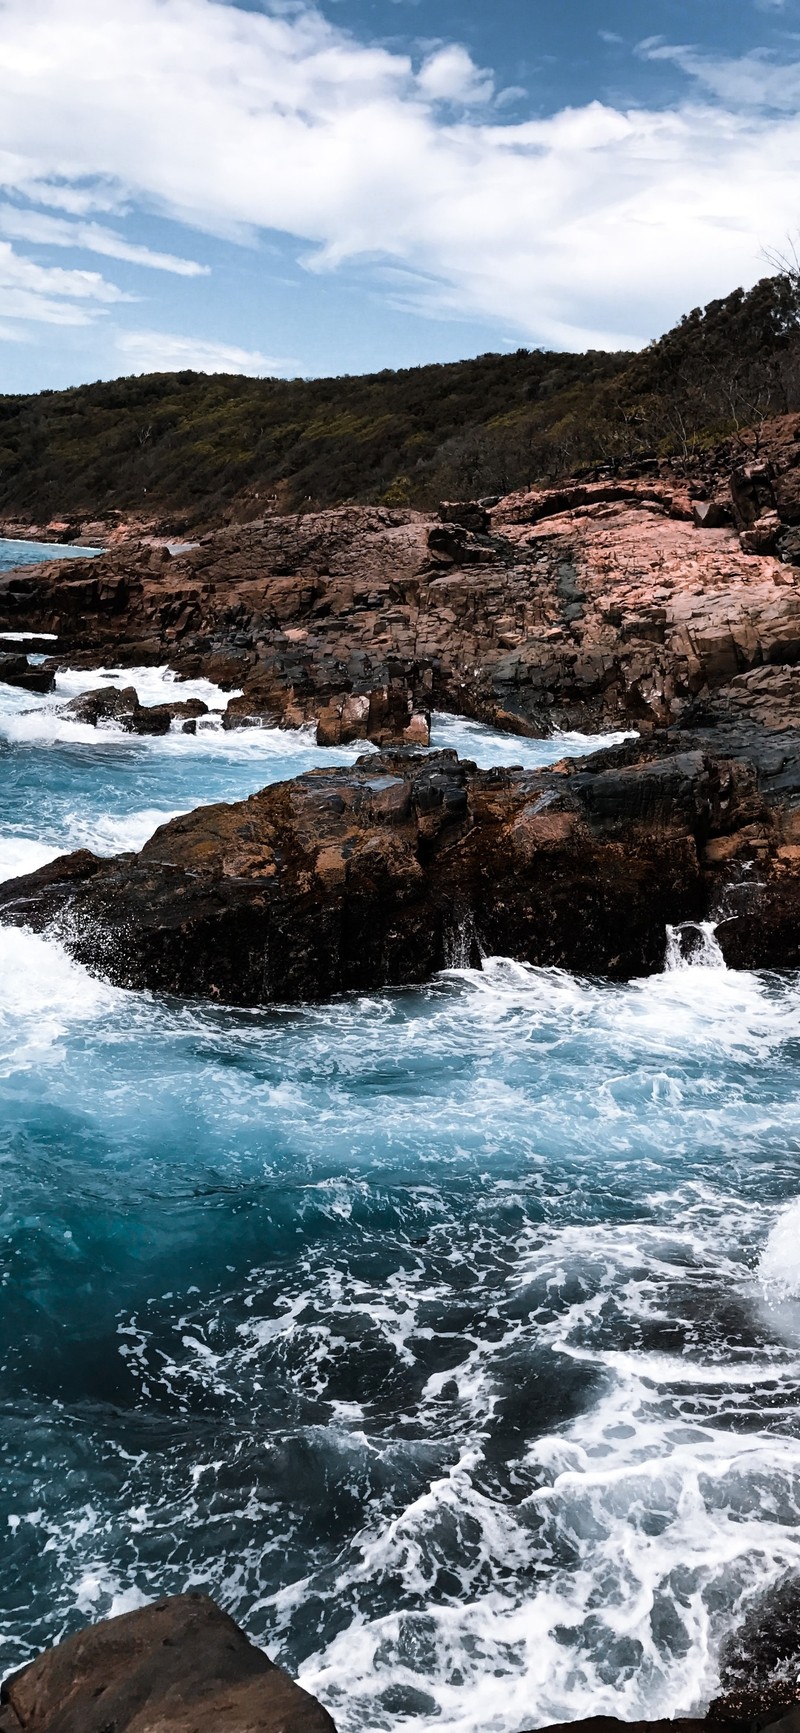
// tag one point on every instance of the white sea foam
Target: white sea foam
(43, 995)
(102, 833)
(520, 1462)
(488, 746)
(159, 685)
(693, 945)
(23, 854)
(779, 1265)
(24, 637)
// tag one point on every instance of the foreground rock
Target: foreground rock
(384, 873)
(177, 1666)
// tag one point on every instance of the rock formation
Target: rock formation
(18, 671)
(603, 602)
(121, 705)
(176, 1665)
(599, 603)
(386, 872)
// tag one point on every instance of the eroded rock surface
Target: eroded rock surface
(383, 873)
(177, 1666)
(585, 606)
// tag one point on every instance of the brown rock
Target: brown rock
(354, 879)
(762, 535)
(587, 606)
(418, 731)
(176, 1666)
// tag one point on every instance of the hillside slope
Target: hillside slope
(193, 448)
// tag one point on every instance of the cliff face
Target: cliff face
(591, 606)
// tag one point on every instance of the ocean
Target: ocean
(450, 1337)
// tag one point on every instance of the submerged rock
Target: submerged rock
(176, 1665)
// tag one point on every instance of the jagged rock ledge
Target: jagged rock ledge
(383, 873)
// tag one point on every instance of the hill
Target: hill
(192, 448)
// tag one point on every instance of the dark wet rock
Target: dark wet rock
(710, 514)
(715, 1721)
(18, 671)
(752, 493)
(179, 1666)
(181, 709)
(104, 704)
(29, 644)
(151, 719)
(381, 874)
(759, 1664)
(609, 1724)
(471, 514)
(121, 705)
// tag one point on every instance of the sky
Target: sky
(278, 188)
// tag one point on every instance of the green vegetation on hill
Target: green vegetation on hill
(186, 446)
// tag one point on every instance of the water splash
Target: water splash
(461, 943)
(779, 1264)
(693, 945)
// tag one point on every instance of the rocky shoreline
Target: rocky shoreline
(382, 874)
(181, 1665)
(604, 604)
(600, 605)
(591, 606)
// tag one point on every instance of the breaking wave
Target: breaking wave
(428, 1336)
(448, 1336)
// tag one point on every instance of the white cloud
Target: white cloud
(756, 80)
(36, 226)
(450, 75)
(163, 352)
(580, 228)
(50, 295)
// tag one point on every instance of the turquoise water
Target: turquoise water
(450, 1337)
(13, 553)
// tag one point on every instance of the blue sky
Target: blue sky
(295, 189)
